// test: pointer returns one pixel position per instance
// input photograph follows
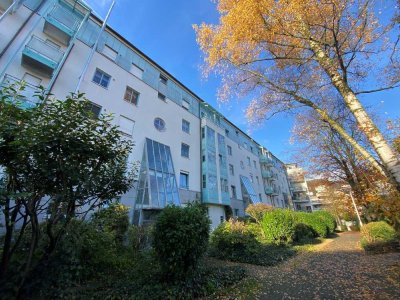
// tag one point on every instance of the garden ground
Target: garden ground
(335, 269)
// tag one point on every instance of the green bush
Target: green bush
(376, 235)
(304, 232)
(279, 226)
(315, 222)
(139, 237)
(180, 238)
(232, 239)
(328, 219)
(114, 219)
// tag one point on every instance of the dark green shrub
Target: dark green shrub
(304, 232)
(279, 226)
(376, 235)
(312, 220)
(328, 219)
(180, 238)
(232, 239)
(139, 237)
(114, 219)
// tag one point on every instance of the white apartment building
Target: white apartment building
(187, 150)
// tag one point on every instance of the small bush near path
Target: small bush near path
(379, 237)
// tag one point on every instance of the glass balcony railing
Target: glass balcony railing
(26, 97)
(41, 55)
(266, 160)
(266, 174)
(269, 190)
(62, 23)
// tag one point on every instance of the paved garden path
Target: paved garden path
(337, 269)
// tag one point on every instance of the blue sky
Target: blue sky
(163, 30)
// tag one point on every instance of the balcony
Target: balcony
(298, 189)
(266, 160)
(27, 97)
(4, 4)
(41, 56)
(62, 23)
(266, 174)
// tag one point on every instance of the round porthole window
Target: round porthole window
(159, 124)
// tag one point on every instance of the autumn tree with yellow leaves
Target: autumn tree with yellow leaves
(301, 54)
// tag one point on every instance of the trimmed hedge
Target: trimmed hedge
(328, 219)
(312, 220)
(237, 241)
(376, 235)
(279, 226)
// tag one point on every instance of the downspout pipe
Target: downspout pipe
(91, 54)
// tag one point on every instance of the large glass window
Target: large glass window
(101, 78)
(184, 180)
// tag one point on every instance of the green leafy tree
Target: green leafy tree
(59, 160)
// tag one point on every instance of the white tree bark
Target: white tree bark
(387, 156)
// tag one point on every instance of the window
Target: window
(184, 180)
(255, 164)
(258, 180)
(242, 164)
(163, 79)
(110, 53)
(185, 103)
(137, 71)
(229, 150)
(221, 219)
(226, 132)
(126, 125)
(231, 170)
(161, 97)
(221, 160)
(251, 178)
(260, 197)
(233, 190)
(94, 109)
(203, 157)
(236, 212)
(131, 95)
(204, 181)
(101, 78)
(203, 132)
(185, 150)
(159, 124)
(248, 161)
(185, 126)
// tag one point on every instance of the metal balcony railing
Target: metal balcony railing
(27, 96)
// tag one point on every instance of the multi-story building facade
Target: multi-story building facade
(186, 149)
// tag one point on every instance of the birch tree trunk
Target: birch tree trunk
(388, 157)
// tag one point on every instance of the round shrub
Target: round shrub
(180, 238)
(314, 221)
(303, 232)
(328, 219)
(232, 239)
(279, 226)
(377, 232)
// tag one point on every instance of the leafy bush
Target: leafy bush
(232, 239)
(328, 219)
(139, 237)
(257, 211)
(312, 220)
(279, 226)
(376, 235)
(180, 238)
(304, 232)
(114, 219)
